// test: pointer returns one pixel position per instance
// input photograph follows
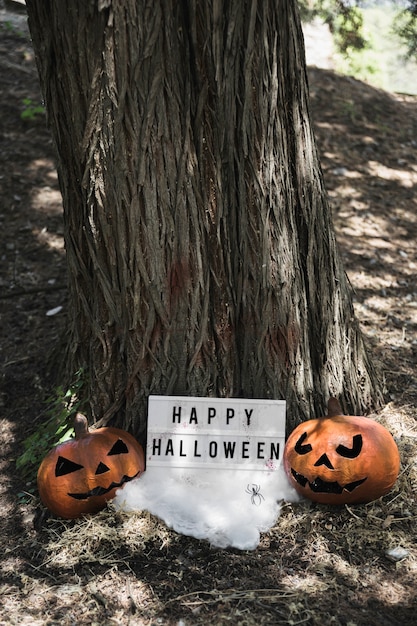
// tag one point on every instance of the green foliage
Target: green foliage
(62, 407)
(8, 27)
(361, 62)
(387, 53)
(31, 110)
(375, 40)
(405, 26)
(345, 21)
(347, 28)
(355, 55)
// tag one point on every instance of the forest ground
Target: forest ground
(353, 565)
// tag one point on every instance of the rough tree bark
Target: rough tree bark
(201, 253)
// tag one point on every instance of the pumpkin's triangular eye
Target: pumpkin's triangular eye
(65, 466)
(351, 453)
(302, 448)
(119, 448)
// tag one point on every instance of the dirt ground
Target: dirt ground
(319, 565)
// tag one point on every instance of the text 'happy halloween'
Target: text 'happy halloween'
(213, 432)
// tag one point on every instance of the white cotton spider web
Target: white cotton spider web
(227, 508)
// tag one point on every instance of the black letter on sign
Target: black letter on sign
(229, 449)
(261, 449)
(248, 416)
(195, 448)
(176, 413)
(156, 447)
(213, 449)
(274, 451)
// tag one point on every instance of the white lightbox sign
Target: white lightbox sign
(215, 433)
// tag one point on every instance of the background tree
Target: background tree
(200, 247)
(405, 26)
(345, 20)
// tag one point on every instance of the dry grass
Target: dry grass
(317, 565)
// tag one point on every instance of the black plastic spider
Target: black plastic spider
(255, 492)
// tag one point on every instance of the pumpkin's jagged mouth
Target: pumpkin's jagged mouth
(323, 486)
(101, 491)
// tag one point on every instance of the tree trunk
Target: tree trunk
(201, 252)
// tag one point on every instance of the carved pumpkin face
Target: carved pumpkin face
(341, 459)
(79, 476)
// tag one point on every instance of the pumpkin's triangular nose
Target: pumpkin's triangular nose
(102, 469)
(324, 460)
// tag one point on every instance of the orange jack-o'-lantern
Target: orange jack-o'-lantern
(80, 475)
(341, 459)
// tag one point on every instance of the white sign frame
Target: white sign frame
(200, 433)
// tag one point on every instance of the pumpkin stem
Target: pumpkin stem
(334, 408)
(80, 426)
